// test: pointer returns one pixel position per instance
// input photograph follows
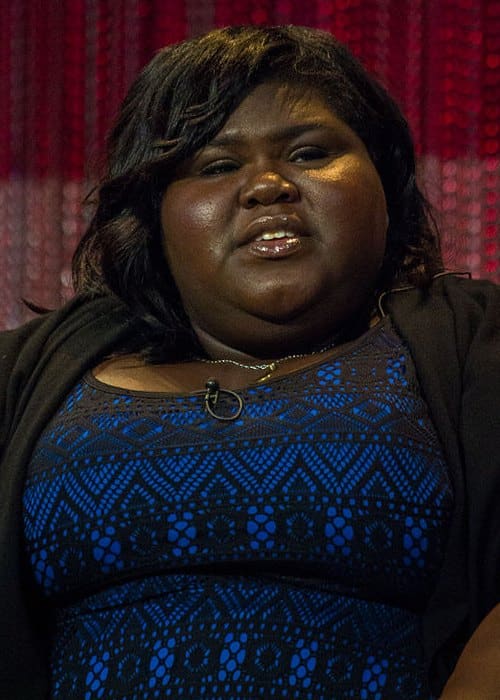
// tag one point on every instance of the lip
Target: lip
(279, 222)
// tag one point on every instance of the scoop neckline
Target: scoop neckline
(335, 352)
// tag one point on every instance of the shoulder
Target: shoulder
(452, 309)
(55, 345)
(469, 293)
(452, 329)
(23, 348)
(71, 318)
(449, 289)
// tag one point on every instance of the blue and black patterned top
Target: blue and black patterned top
(286, 554)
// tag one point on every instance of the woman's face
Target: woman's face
(275, 231)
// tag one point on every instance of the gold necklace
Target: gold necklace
(268, 367)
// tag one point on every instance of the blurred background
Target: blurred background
(65, 66)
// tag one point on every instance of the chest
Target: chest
(334, 472)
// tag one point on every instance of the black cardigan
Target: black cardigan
(453, 333)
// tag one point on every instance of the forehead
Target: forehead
(274, 105)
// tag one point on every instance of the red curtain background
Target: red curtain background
(66, 64)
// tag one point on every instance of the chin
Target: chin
(283, 303)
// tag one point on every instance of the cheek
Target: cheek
(354, 198)
(352, 182)
(191, 241)
(368, 203)
(182, 214)
(186, 223)
(354, 213)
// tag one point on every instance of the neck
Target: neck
(287, 342)
(218, 350)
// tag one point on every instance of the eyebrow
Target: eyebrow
(282, 134)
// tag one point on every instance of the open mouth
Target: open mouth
(275, 244)
(274, 236)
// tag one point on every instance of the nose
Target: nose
(268, 187)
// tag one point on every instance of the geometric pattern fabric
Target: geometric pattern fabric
(287, 553)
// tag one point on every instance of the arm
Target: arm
(477, 673)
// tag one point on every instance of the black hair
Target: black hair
(177, 104)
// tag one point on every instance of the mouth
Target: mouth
(276, 244)
(274, 236)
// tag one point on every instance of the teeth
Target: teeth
(275, 234)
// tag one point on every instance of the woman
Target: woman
(256, 454)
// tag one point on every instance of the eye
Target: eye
(219, 167)
(307, 153)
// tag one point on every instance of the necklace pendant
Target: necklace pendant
(211, 399)
(272, 366)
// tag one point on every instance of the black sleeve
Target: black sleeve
(480, 439)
